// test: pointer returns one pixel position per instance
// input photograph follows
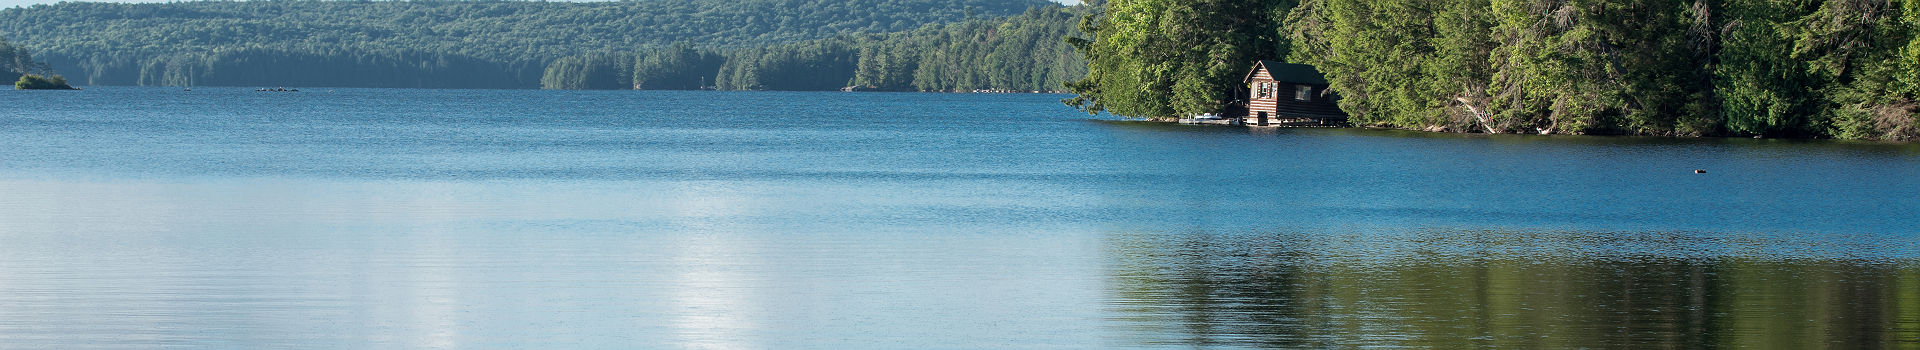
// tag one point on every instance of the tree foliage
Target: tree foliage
(1798, 68)
(17, 63)
(1028, 52)
(602, 71)
(38, 82)
(1159, 58)
(680, 67)
(429, 43)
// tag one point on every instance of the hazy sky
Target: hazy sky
(12, 3)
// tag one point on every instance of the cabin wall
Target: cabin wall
(1318, 104)
(1281, 102)
(1257, 103)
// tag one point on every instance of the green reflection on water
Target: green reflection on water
(1489, 289)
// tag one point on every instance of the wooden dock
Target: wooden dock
(1219, 121)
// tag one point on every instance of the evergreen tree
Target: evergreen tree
(1832, 68)
(1164, 58)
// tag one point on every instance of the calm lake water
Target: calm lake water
(369, 218)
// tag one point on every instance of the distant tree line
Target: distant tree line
(428, 43)
(1792, 68)
(259, 66)
(1028, 52)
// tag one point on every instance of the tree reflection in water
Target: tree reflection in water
(1526, 289)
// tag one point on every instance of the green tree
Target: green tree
(1020, 53)
(679, 67)
(1165, 58)
(38, 82)
(1763, 89)
(600, 71)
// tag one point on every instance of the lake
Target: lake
(394, 218)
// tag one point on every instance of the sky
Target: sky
(12, 3)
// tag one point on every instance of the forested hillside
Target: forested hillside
(505, 44)
(1028, 52)
(1796, 68)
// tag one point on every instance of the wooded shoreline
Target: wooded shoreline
(1178, 121)
(1845, 69)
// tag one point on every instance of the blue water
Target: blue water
(393, 218)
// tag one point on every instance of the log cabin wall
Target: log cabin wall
(1264, 96)
(1289, 93)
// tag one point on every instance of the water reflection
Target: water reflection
(1505, 289)
(554, 219)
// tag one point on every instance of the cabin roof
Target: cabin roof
(1288, 72)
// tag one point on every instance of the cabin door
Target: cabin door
(1263, 118)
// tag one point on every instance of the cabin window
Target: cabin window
(1303, 92)
(1264, 89)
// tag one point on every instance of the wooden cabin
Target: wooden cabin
(1285, 94)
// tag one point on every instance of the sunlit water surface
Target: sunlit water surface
(351, 218)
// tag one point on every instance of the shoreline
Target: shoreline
(1177, 122)
(289, 86)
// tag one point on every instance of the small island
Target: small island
(39, 82)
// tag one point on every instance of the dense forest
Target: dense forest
(1161, 58)
(495, 44)
(1788, 68)
(1028, 52)
(1792, 68)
